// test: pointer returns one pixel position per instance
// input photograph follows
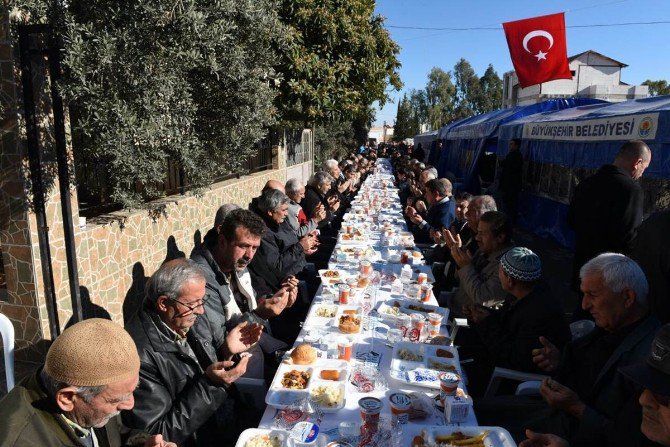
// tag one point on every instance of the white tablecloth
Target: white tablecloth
(372, 339)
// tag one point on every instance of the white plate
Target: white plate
(280, 397)
(250, 433)
(326, 383)
(355, 240)
(342, 276)
(497, 437)
(422, 308)
(340, 312)
(401, 368)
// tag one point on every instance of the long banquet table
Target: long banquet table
(374, 336)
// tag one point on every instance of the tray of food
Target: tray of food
(259, 437)
(397, 307)
(421, 365)
(333, 276)
(357, 237)
(464, 435)
(355, 252)
(321, 314)
(329, 396)
(348, 319)
(289, 385)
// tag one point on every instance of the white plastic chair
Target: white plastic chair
(7, 332)
(530, 383)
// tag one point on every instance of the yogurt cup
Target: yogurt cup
(304, 434)
(448, 384)
(434, 323)
(401, 404)
(370, 408)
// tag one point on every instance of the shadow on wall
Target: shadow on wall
(135, 294)
(89, 308)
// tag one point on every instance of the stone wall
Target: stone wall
(115, 252)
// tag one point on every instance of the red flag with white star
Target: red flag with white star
(538, 49)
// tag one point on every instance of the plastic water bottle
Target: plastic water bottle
(397, 287)
(406, 273)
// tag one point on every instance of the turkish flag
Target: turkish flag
(538, 49)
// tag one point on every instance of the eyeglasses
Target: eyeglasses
(191, 307)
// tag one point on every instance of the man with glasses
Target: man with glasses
(185, 375)
(88, 377)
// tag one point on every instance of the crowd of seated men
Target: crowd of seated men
(213, 328)
(606, 386)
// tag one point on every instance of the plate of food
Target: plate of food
(259, 437)
(304, 354)
(464, 435)
(420, 364)
(357, 236)
(348, 319)
(333, 276)
(327, 395)
(321, 314)
(289, 385)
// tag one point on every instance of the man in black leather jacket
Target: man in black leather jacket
(185, 377)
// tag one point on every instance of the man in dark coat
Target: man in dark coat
(652, 251)
(587, 393)
(606, 208)
(280, 257)
(441, 211)
(185, 376)
(231, 296)
(506, 337)
(510, 178)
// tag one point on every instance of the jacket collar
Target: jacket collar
(648, 325)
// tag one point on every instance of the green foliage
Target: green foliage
(411, 113)
(440, 94)
(333, 140)
(490, 91)
(444, 101)
(657, 88)
(189, 81)
(338, 61)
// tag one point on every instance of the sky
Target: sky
(644, 48)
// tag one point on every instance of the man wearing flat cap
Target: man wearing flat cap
(506, 337)
(89, 376)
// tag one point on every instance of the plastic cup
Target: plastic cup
(345, 348)
(422, 278)
(370, 408)
(448, 384)
(403, 322)
(365, 268)
(401, 404)
(426, 292)
(344, 293)
(434, 323)
(418, 322)
(413, 291)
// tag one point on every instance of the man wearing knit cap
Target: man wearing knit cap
(507, 337)
(185, 375)
(89, 376)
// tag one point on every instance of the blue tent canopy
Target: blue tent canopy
(465, 141)
(558, 144)
(427, 141)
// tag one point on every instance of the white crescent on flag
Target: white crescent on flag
(538, 33)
